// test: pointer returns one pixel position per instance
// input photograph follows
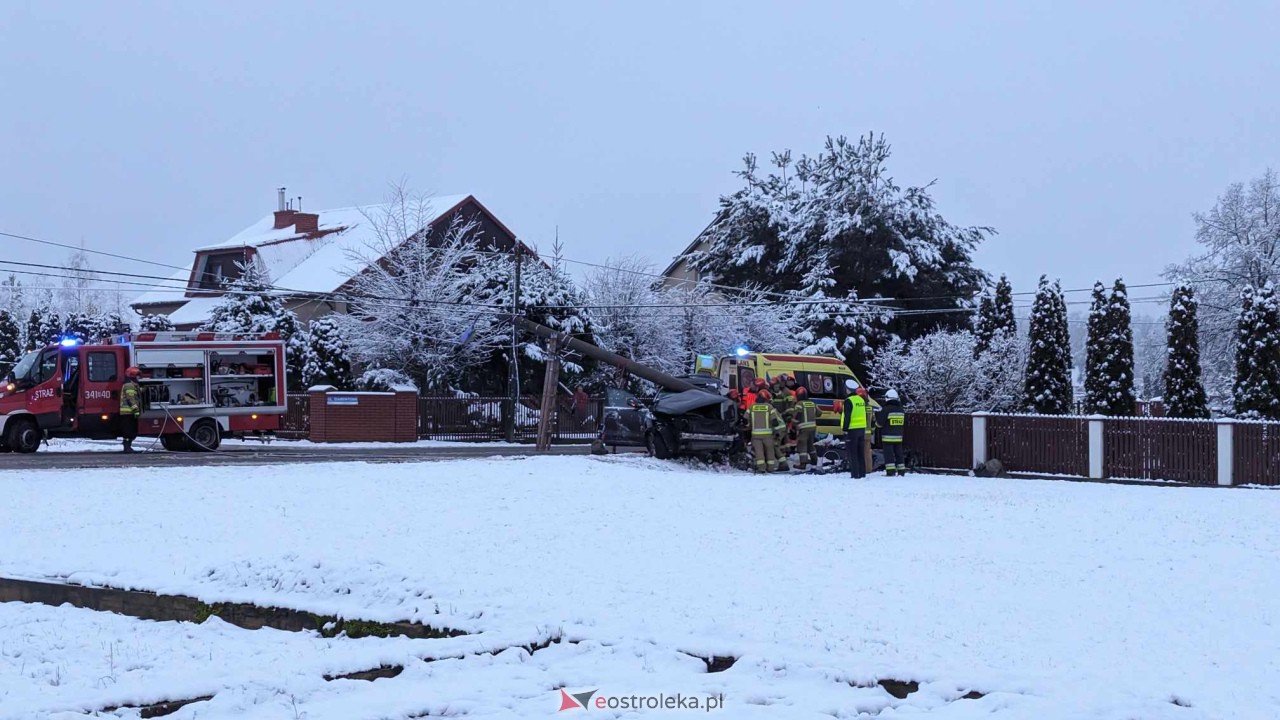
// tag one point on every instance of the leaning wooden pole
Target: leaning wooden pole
(550, 381)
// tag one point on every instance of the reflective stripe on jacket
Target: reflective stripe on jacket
(855, 413)
(893, 421)
(761, 419)
(130, 399)
(808, 415)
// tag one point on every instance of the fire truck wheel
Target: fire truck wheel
(205, 436)
(23, 436)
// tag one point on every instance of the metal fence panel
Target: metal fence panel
(1256, 455)
(1041, 444)
(296, 422)
(1153, 449)
(941, 440)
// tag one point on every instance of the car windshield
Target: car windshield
(23, 368)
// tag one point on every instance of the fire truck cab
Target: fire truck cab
(197, 387)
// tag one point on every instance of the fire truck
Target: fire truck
(197, 387)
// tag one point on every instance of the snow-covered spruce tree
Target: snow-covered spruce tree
(249, 305)
(1047, 383)
(1257, 385)
(44, 327)
(1003, 320)
(983, 324)
(1096, 351)
(155, 323)
(1118, 398)
(1184, 395)
(81, 326)
(10, 342)
(880, 241)
(328, 362)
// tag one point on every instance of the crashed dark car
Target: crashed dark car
(688, 423)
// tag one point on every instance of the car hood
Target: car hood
(687, 401)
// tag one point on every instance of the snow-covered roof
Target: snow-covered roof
(317, 262)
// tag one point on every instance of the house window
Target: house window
(216, 270)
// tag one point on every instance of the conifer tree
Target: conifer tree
(1003, 320)
(1096, 350)
(1184, 394)
(10, 342)
(984, 325)
(155, 323)
(1047, 388)
(249, 306)
(328, 361)
(1118, 398)
(1257, 382)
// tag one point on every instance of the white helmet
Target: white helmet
(891, 395)
(851, 384)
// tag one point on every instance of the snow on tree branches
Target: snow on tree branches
(1184, 394)
(939, 372)
(1109, 367)
(994, 317)
(1047, 387)
(10, 342)
(837, 227)
(328, 359)
(1257, 380)
(155, 323)
(1240, 237)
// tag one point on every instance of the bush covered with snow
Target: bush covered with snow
(939, 373)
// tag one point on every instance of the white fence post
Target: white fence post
(1226, 452)
(1095, 447)
(979, 438)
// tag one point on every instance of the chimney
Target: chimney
(284, 215)
(306, 222)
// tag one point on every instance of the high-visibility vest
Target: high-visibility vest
(808, 415)
(857, 409)
(130, 400)
(760, 419)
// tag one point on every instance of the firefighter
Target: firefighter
(784, 400)
(130, 407)
(855, 429)
(893, 421)
(764, 419)
(806, 428)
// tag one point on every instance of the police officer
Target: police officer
(130, 407)
(855, 429)
(892, 422)
(764, 421)
(806, 427)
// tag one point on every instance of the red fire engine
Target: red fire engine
(197, 387)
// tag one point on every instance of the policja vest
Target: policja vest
(855, 409)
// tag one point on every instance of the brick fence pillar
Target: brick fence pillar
(319, 430)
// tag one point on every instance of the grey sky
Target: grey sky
(1085, 133)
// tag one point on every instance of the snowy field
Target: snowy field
(1054, 599)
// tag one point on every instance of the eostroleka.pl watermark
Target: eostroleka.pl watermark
(679, 701)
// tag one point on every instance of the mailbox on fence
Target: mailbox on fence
(338, 416)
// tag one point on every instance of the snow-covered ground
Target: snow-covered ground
(1058, 600)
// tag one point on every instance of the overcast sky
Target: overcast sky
(1085, 133)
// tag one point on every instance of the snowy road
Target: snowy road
(93, 454)
(1056, 600)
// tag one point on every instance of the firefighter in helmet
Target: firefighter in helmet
(892, 422)
(130, 407)
(806, 428)
(764, 421)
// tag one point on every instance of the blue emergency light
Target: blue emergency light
(68, 342)
(742, 352)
